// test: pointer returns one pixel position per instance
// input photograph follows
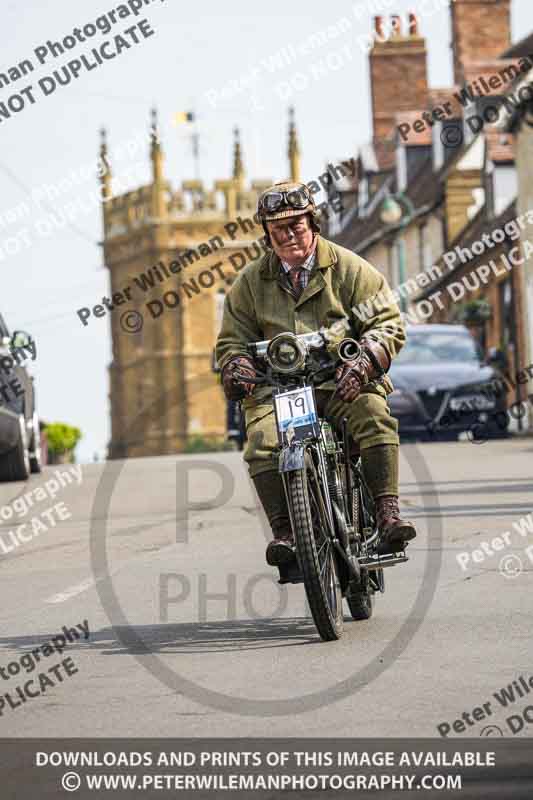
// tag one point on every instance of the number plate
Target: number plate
(296, 409)
(475, 402)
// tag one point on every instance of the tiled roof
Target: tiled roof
(476, 70)
(359, 229)
(438, 97)
(522, 48)
(475, 229)
(426, 189)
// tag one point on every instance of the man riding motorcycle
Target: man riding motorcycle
(307, 283)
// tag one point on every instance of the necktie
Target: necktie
(294, 276)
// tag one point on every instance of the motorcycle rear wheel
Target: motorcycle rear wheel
(360, 601)
(315, 551)
(360, 597)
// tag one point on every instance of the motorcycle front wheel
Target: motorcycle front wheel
(315, 550)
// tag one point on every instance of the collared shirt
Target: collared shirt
(305, 268)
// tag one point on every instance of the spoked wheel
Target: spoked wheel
(36, 458)
(315, 551)
(360, 597)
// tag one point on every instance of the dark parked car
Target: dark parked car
(20, 436)
(443, 386)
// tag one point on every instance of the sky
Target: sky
(235, 64)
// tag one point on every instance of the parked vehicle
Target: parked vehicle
(235, 424)
(443, 385)
(20, 435)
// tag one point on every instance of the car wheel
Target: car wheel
(36, 455)
(15, 465)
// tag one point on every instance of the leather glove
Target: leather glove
(352, 375)
(234, 388)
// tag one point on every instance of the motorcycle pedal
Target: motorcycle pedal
(380, 561)
(290, 573)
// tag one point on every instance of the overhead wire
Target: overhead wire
(27, 191)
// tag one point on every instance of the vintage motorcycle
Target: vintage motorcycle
(331, 510)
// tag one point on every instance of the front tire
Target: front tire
(315, 551)
(15, 465)
(36, 456)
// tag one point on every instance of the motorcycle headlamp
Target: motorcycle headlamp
(286, 353)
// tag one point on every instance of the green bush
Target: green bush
(61, 438)
(474, 312)
(201, 444)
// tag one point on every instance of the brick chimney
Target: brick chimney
(481, 31)
(398, 72)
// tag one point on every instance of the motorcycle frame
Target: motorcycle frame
(292, 457)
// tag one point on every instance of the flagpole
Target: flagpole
(189, 118)
(195, 137)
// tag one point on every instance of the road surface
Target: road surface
(163, 560)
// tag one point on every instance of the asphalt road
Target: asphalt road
(191, 636)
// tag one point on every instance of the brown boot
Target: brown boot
(269, 487)
(281, 549)
(394, 532)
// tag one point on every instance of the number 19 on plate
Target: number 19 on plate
(296, 409)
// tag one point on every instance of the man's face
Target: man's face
(292, 239)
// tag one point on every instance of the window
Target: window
(505, 186)
(426, 348)
(505, 292)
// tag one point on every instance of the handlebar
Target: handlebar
(246, 379)
(315, 341)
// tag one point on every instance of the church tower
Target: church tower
(171, 256)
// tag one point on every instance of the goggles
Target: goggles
(295, 198)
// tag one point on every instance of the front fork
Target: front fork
(292, 457)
